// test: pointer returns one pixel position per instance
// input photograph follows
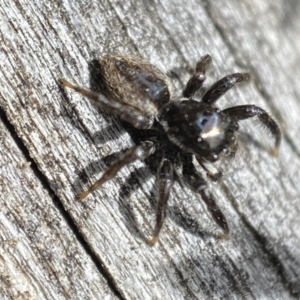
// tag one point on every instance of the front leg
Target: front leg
(165, 178)
(220, 87)
(243, 112)
(196, 182)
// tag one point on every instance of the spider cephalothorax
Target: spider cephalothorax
(141, 95)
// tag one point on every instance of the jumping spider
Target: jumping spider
(180, 129)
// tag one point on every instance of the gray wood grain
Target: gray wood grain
(71, 143)
(40, 258)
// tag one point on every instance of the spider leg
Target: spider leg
(197, 184)
(222, 86)
(212, 172)
(165, 178)
(197, 79)
(242, 112)
(125, 112)
(140, 152)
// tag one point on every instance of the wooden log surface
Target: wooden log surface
(54, 247)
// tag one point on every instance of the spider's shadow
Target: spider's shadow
(177, 214)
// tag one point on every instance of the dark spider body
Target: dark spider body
(180, 129)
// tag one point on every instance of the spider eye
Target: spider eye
(202, 121)
(210, 126)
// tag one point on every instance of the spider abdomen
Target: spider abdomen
(135, 83)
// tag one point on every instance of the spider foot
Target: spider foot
(152, 241)
(225, 236)
(274, 152)
(65, 83)
(82, 195)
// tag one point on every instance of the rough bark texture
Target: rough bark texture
(53, 247)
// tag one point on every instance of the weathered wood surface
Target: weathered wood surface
(40, 257)
(71, 143)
